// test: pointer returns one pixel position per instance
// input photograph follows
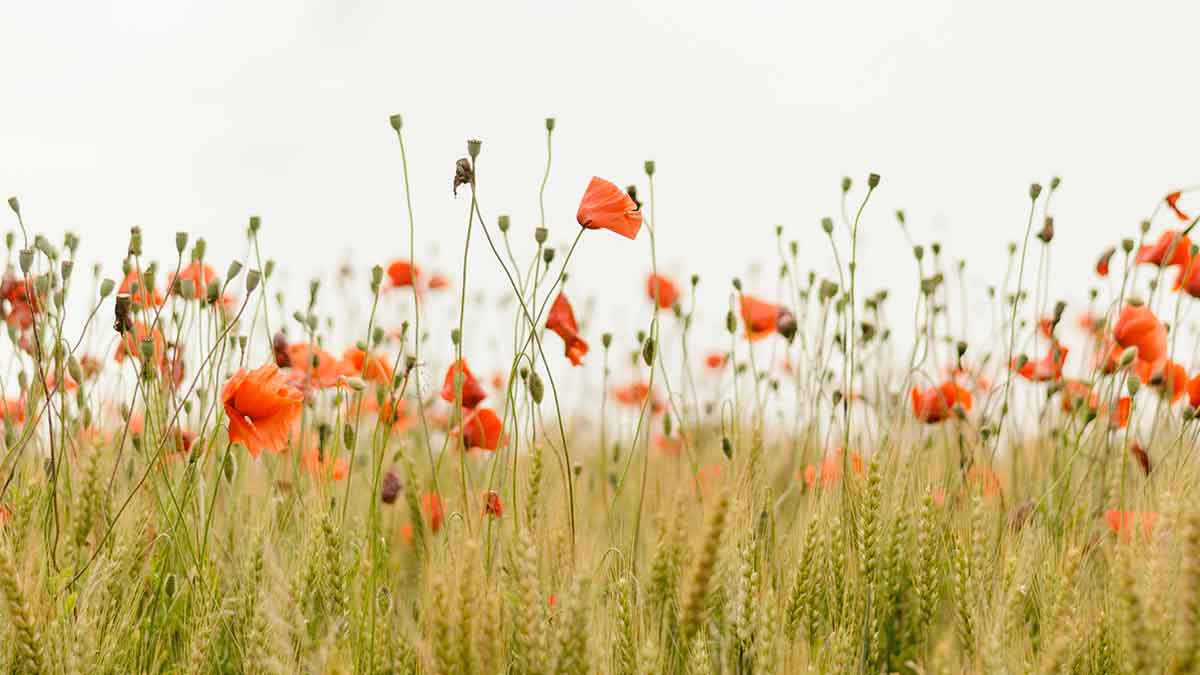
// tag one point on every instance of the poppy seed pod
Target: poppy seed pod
(1132, 385)
(549, 124)
(106, 287)
(397, 123)
(455, 336)
(846, 183)
(252, 279)
(649, 167)
(873, 181)
(66, 268)
(235, 268)
(473, 147)
(918, 252)
(26, 260)
(900, 216)
(737, 284)
(786, 324)
(540, 234)
(213, 294)
(1127, 244)
(1145, 226)
(376, 277)
(199, 249)
(348, 436)
(187, 288)
(1035, 189)
(606, 340)
(135, 240)
(255, 224)
(695, 279)
(181, 242)
(548, 255)
(827, 225)
(502, 223)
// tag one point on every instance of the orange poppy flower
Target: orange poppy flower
(376, 370)
(1171, 377)
(987, 480)
(561, 320)
(1173, 203)
(439, 282)
(1120, 413)
(13, 409)
(1076, 393)
(52, 383)
(668, 293)
(830, 471)
(393, 412)
(402, 273)
(714, 360)
(635, 394)
(132, 344)
(22, 302)
(1102, 262)
(198, 273)
(1172, 249)
(406, 533)
(482, 429)
(261, 407)
(472, 391)
(1189, 281)
(1138, 327)
(935, 404)
(492, 506)
(5, 515)
(1123, 523)
(431, 505)
(760, 317)
(326, 467)
(706, 478)
(1046, 326)
(670, 446)
(1046, 369)
(317, 367)
(606, 207)
(147, 297)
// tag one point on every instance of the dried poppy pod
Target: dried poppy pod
(391, 487)
(122, 308)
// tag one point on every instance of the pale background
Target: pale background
(193, 115)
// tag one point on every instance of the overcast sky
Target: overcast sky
(193, 115)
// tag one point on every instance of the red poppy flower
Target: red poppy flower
(132, 344)
(315, 366)
(561, 320)
(377, 369)
(482, 429)
(328, 468)
(431, 505)
(606, 207)
(438, 282)
(1172, 248)
(1102, 262)
(706, 478)
(402, 273)
(1193, 392)
(198, 273)
(1171, 377)
(987, 480)
(472, 391)
(760, 317)
(1046, 326)
(667, 292)
(830, 471)
(145, 296)
(1076, 393)
(635, 394)
(1173, 202)
(714, 361)
(12, 409)
(935, 404)
(22, 302)
(1046, 369)
(261, 407)
(670, 446)
(1120, 413)
(1138, 327)
(393, 412)
(492, 505)
(1123, 523)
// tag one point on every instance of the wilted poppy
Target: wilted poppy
(1046, 369)
(1138, 327)
(472, 392)
(662, 288)
(402, 273)
(935, 404)
(482, 429)
(605, 206)
(1143, 458)
(561, 320)
(759, 316)
(261, 407)
(1173, 203)
(376, 369)
(1123, 523)
(1102, 262)
(492, 506)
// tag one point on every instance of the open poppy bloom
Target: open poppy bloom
(431, 505)
(1169, 377)
(131, 344)
(606, 207)
(492, 506)
(760, 317)
(1172, 249)
(714, 360)
(374, 369)
(324, 466)
(142, 293)
(561, 320)
(261, 407)
(472, 391)
(662, 288)
(198, 273)
(936, 404)
(22, 302)
(1138, 327)
(635, 394)
(481, 428)
(830, 471)
(402, 273)
(1046, 369)
(1102, 262)
(315, 366)
(1173, 203)
(1124, 523)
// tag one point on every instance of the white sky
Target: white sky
(193, 115)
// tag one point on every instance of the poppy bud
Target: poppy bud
(235, 268)
(227, 468)
(74, 368)
(606, 340)
(936, 247)
(15, 205)
(42, 244)
(503, 223)
(695, 279)
(135, 240)
(473, 147)
(1189, 413)
(737, 284)
(523, 372)
(549, 124)
(793, 248)
(536, 389)
(961, 348)
(397, 123)
(548, 255)
(648, 352)
(1133, 384)
(727, 447)
(730, 322)
(355, 383)
(1129, 356)
(873, 181)
(455, 336)
(918, 252)
(778, 230)
(199, 249)
(667, 424)
(1054, 183)
(26, 260)
(252, 279)
(577, 469)
(846, 183)
(391, 487)
(649, 167)
(255, 224)
(1035, 189)
(348, 436)
(8, 239)
(540, 234)
(147, 349)
(827, 225)
(836, 397)
(376, 276)
(900, 216)
(1022, 359)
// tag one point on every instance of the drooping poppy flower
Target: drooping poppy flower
(635, 394)
(760, 317)
(1124, 523)
(402, 273)
(200, 274)
(936, 404)
(1169, 377)
(606, 207)
(1102, 262)
(714, 360)
(1138, 327)
(142, 291)
(431, 505)
(261, 407)
(561, 320)
(1173, 203)
(22, 302)
(1172, 249)
(472, 392)
(667, 292)
(131, 344)
(830, 470)
(1143, 458)
(492, 506)
(315, 366)
(325, 467)
(481, 428)
(374, 369)
(1046, 369)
